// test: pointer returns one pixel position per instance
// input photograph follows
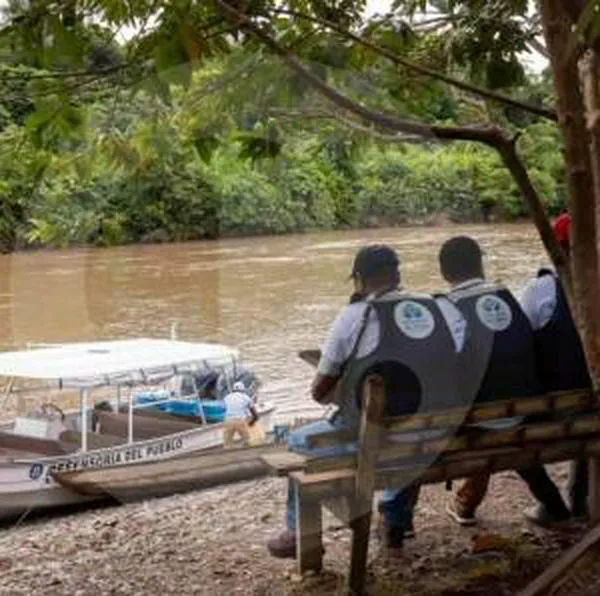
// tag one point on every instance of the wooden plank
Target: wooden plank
(396, 452)
(334, 483)
(369, 436)
(283, 463)
(552, 403)
(562, 570)
(574, 427)
(594, 489)
(558, 402)
(309, 531)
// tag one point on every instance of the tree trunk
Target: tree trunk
(582, 200)
(590, 76)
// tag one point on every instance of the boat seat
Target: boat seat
(72, 438)
(144, 427)
(11, 441)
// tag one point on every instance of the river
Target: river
(269, 296)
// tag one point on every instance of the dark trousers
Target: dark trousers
(398, 508)
(545, 491)
(578, 487)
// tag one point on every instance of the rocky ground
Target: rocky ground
(212, 542)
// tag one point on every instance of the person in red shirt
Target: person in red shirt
(562, 230)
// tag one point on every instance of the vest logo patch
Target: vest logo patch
(414, 319)
(493, 312)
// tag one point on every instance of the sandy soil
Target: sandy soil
(212, 542)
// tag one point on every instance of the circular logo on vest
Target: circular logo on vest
(414, 319)
(493, 312)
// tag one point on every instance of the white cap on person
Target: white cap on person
(239, 386)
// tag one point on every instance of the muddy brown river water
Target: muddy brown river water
(268, 296)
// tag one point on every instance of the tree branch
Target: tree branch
(73, 74)
(508, 152)
(423, 70)
(488, 135)
(539, 47)
(321, 114)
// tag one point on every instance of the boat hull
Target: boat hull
(35, 483)
(182, 474)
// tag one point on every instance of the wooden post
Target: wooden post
(373, 405)
(309, 531)
(594, 489)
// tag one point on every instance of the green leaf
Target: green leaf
(205, 146)
(173, 63)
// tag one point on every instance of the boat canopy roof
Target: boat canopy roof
(129, 361)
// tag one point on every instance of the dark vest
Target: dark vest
(499, 356)
(415, 355)
(560, 356)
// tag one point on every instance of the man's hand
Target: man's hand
(322, 388)
(253, 416)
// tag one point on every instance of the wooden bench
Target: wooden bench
(569, 429)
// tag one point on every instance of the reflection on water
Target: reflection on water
(269, 296)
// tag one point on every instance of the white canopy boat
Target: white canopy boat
(36, 448)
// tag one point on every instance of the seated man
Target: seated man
(499, 363)
(384, 329)
(560, 358)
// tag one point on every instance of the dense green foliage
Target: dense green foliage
(105, 143)
(142, 178)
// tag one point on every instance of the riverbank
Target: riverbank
(212, 542)
(158, 237)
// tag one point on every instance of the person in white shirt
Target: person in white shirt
(240, 414)
(560, 358)
(418, 337)
(499, 363)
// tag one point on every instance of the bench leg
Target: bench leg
(594, 489)
(309, 532)
(361, 527)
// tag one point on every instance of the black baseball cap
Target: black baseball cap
(374, 259)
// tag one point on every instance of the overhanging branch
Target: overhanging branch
(488, 135)
(321, 114)
(423, 70)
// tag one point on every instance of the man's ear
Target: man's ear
(359, 284)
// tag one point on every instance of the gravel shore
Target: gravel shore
(212, 542)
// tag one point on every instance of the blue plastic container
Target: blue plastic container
(181, 407)
(149, 397)
(214, 410)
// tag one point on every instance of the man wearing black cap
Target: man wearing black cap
(411, 340)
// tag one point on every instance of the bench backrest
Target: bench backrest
(568, 416)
